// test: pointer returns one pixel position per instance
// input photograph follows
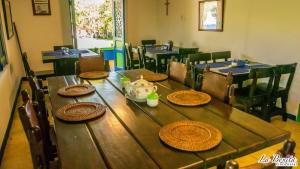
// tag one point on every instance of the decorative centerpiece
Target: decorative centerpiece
(139, 90)
(152, 99)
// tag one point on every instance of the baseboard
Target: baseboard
(6, 136)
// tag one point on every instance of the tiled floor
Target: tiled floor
(17, 153)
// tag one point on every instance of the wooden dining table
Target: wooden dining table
(126, 136)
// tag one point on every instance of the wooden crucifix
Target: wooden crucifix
(167, 7)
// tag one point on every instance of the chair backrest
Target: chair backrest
(199, 57)
(221, 55)
(217, 85)
(35, 85)
(151, 42)
(179, 72)
(261, 73)
(39, 111)
(59, 47)
(129, 55)
(141, 53)
(26, 64)
(184, 52)
(282, 70)
(33, 132)
(91, 63)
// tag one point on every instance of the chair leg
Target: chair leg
(284, 111)
(266, 112)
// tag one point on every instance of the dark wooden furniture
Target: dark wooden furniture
(64, 63)
(249, 97)
(184, 53)
(180, 72)
(221, 55)
(148, 42)
(32, 121)
(147, 63)
(30, 72)
(217, 85)
(287, 150)
(131, 62)
(55, 48)
(127, 135)
(199, 58)
(93, 63)
(161, 56)
(279, 92)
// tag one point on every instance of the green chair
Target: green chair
(184, 53)
(146, 62)
(279, 92)
(251, 97)
(131, 62)
(221, 55)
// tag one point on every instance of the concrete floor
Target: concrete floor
(17, 153)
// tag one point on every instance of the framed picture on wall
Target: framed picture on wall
(41, 7)
(8, 18)
(211, 15)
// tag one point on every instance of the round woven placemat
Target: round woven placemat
(190, 136)
(189, 98)
(155, 77)
(77, 112)
(94, 75)
(76, 90)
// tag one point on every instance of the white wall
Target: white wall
(38, 33)
(267, 31)
(141, 20)
(9, 80)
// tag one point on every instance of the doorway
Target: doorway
(100, 24)
(93, 23)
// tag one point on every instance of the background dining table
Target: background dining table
(63, 62)
(126, 136)
(159, 54)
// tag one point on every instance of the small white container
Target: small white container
(152, 102)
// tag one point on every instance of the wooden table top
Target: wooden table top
(51, 56)
(127, 135)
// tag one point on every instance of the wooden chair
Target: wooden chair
(217, 85)
(221, 55)
(147, 63)
(91, 63)
(55, 48)
(184, 53)
(30, 72)
(131, 62)
(148, 42)
(198, 58)
(36, 84)
(41, 112)
(280, 92)
(250, 97)
(180, 72)
(41, 157)
(287, 150)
